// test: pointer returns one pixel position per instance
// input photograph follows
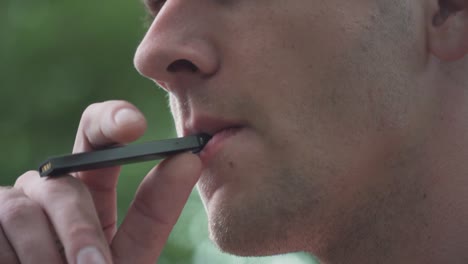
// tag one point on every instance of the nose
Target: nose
(179, 44)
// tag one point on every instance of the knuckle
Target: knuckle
(67, 188)
(5, 190)
(83, 233)
(8, 193)
(80, 229)
(17, 208)
(146, 211)
(25, 177)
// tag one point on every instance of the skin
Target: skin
(350, 144)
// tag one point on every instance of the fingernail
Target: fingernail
(126, 116)
(90, 255)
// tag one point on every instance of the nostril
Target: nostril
(182, 65)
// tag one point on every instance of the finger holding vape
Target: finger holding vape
(158, 201)
(155, 209)
(106, 124)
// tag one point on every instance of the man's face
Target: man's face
(308, 101)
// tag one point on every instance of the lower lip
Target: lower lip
(216, 143)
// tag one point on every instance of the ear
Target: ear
(448, 30)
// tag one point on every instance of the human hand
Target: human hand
(80, 209)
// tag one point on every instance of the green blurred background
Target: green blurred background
(56, 58)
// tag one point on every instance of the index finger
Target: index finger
(104, 124)
(108, 123)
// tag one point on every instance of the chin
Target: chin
(242, 244)
(250, 228)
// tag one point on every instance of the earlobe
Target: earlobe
(448, 30)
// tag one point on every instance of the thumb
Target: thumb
(155, 209)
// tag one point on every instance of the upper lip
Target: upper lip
(208, 125)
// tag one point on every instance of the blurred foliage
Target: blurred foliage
(56, 58)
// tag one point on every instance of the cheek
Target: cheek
(334, 92)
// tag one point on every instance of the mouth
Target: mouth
(216, 143)
(219, 130)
